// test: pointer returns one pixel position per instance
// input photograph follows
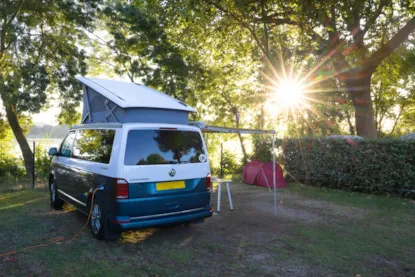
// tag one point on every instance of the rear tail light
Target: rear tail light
(208, 182)
(121, 189)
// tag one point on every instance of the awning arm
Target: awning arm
(217, 129)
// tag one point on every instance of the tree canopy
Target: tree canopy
(354, 60)
(39, 54)
(210, 48)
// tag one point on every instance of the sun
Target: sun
(288, 93)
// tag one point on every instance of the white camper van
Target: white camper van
(149, 173)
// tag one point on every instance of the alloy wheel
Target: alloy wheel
(96, 219)
(52, 192)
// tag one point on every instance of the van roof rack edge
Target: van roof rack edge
(97, 125)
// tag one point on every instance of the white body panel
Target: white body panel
(159, 173)
(138, 173)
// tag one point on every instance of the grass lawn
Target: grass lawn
(318, 232)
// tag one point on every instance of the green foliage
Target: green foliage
(39, 55)
(393, 92)
(140, 48)
(33, 58)
(380, 166)
(219, 56)
(179, 49)
(230, 164)
(42, 162)
(69, 117)
(320, 39)
(10, 167)
(4, 128)
(263, 148)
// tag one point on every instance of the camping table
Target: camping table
(220, 181)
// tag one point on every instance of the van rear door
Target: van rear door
(166, 170)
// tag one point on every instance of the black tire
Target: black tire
(98, 223)
(55, 201)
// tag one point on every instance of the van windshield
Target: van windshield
(148, 147)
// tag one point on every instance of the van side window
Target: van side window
(66, 147)
(94, 145)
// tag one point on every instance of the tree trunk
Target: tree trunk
(349, 121)
(243, 147)
(21, 139)
(396, 120)
(236, 114)
(359, 88)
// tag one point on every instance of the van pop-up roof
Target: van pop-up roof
(117, 101)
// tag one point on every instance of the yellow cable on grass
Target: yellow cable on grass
(56, 239)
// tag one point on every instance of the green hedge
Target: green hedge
(380, 166)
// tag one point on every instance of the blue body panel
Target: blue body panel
(148, 207)
(145, 199)
(162, 204)
(118, 222)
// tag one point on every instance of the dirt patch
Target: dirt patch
(292, 207)
(286, 212)
(329, 208)
(390, 267)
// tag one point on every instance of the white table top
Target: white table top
(218, 180)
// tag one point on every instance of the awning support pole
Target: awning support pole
(273, 175)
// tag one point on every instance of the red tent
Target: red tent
(260, 174)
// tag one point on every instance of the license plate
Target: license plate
(170, 185)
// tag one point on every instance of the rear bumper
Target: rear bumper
(122, 223)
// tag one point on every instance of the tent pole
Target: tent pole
(273, 175)
(221, 159)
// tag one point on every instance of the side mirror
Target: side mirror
(53, 151)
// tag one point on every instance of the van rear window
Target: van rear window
(148, 147)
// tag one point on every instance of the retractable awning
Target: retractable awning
(216, 129)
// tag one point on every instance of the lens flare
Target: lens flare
(289, 93)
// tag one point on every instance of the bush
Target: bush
(380, 166)
(42, 163)
(11, 167)
(263, 148)
(230, 165)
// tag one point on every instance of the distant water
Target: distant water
(45, 145)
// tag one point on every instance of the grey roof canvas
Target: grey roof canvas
(123, 102)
